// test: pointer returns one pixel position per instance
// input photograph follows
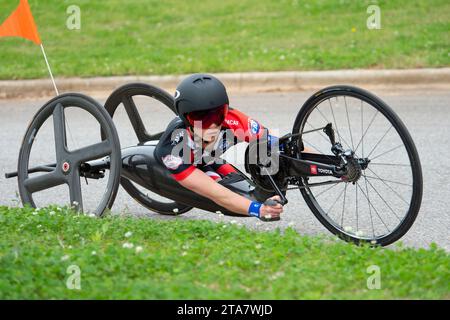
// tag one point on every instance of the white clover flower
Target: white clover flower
(217, 238)
(276, 275)
(258, 246)
(185, 246)
(127, 245)
(183, 253)
(139, 249)
(65, 257)
(128, 234)
(35, 213)
(282, 57)
(52, 213)
(257, 262)
(59, 209)
(220, 214)
(70, 247)
(94, 253)
(224, 226)
(221, 262)
(39, 226)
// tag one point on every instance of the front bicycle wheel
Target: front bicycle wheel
(379, 203)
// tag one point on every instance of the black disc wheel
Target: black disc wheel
(66, 170)
(127, 96)
(376, 202)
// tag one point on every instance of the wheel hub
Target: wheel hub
(65, 167)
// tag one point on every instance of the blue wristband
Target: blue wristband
(254, 208)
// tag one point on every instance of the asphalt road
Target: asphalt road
(426, 115)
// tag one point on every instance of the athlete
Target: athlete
(205, 127)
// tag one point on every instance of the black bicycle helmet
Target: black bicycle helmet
(199, 92)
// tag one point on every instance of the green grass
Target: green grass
(138, 37)
(199, 260)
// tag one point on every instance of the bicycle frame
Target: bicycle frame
(312, 164)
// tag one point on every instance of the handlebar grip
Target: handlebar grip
(271, 202)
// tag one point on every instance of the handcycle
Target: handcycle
(363, 181)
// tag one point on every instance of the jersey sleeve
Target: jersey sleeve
(178, 170)
(179, 166)
(243, 127)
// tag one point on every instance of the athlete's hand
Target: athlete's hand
(271, 212)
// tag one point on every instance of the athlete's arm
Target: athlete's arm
(199, 182)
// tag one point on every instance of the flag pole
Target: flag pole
(49, 70)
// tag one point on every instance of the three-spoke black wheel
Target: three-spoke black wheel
(378, 203)
(127, 96)
(66, 170)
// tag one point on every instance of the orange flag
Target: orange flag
(21, 24)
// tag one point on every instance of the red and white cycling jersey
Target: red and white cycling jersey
(181, 154)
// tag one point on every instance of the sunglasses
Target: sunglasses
(208, 117)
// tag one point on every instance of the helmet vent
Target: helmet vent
(201, 80)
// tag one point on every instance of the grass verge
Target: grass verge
(173, 37)
(123, 258)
